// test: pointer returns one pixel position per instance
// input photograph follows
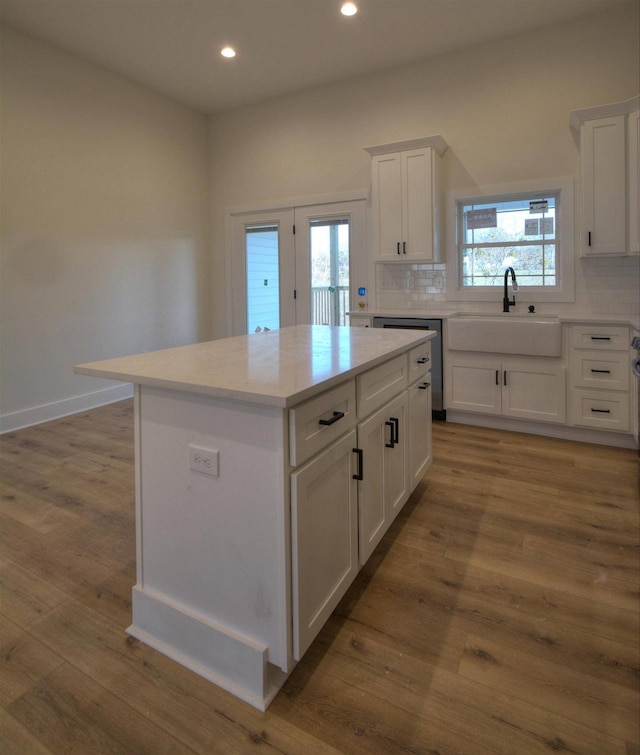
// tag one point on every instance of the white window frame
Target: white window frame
(564, 290)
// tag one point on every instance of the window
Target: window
(518, 233)
(526, 227)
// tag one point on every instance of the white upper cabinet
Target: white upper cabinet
(608, 178)
(407, 198)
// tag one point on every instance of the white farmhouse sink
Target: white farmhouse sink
(533, 335)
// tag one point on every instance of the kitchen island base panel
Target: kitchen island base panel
(232, 661)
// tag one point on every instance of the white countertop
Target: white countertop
(276, 368)
(443, 313)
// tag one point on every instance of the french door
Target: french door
(297, 265)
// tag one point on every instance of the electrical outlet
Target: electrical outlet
(204, 460)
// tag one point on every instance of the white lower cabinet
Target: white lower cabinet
(324, 525)
(345, 497)
(599, 367)
(384, 487)
(525, 387)
(419, 425)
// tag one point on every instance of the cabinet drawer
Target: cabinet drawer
(317, 422)
(601, 337)
(378, 385)
(419, 361)
(592, 370)
(604, 409)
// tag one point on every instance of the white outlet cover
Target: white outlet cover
(204, 460)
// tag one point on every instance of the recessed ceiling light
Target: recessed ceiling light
(228, 52)
(349, 9)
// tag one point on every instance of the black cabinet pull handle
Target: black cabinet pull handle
(424, 386)
(600, 338)
(398, 248)
(602, 411)
(604, 372)
(358, 474)
(336, 416)
(589, 238)
(404, 247)
(505, 377)
(391, 444)
(497, 381)
(422, 360)
(396, 424)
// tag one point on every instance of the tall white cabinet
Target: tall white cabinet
(406, 192)
(609, 175)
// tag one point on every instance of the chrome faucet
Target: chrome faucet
(506, 303)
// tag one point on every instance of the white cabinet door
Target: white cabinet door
(418, 210)
(387, 206)
(473, 383)
(383, 490)
(324, 525)
(633, 161)
(604, 191)
(533, 389)
(419, 429)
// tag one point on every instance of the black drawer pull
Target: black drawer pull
(358, 474)
(602, 411)
(336, 416)
(423, 386)
(604, 372)
(505, 377)
(600, 338)
(422, 360)
(391, 444)
(497, 381)
(398, 249)
(404, 247)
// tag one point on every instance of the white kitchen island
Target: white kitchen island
(268, 467)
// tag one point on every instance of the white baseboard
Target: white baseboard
(36, 415)
(565, 432)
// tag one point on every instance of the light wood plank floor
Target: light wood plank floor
(499, 615)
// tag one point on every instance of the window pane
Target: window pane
(534, 265)
(263, 290)
(329, 245)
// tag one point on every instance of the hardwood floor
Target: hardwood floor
(499, 615)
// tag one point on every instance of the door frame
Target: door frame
(282, 213)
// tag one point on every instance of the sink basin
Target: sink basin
(535, 335)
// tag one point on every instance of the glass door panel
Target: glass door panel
(329, 250)
(263, 277)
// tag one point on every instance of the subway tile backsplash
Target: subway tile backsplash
(602, 286)
(410, 286)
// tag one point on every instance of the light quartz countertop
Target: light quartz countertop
(275, 368)
(444, 313)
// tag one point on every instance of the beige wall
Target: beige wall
(503, 108)
(104, 203)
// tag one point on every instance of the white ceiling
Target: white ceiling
(283, 46)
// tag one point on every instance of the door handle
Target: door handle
(358, 474)
(396, 423)
(422, 360)
(391, 444)
(423, 386)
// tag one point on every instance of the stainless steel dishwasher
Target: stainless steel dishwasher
(423, 323)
